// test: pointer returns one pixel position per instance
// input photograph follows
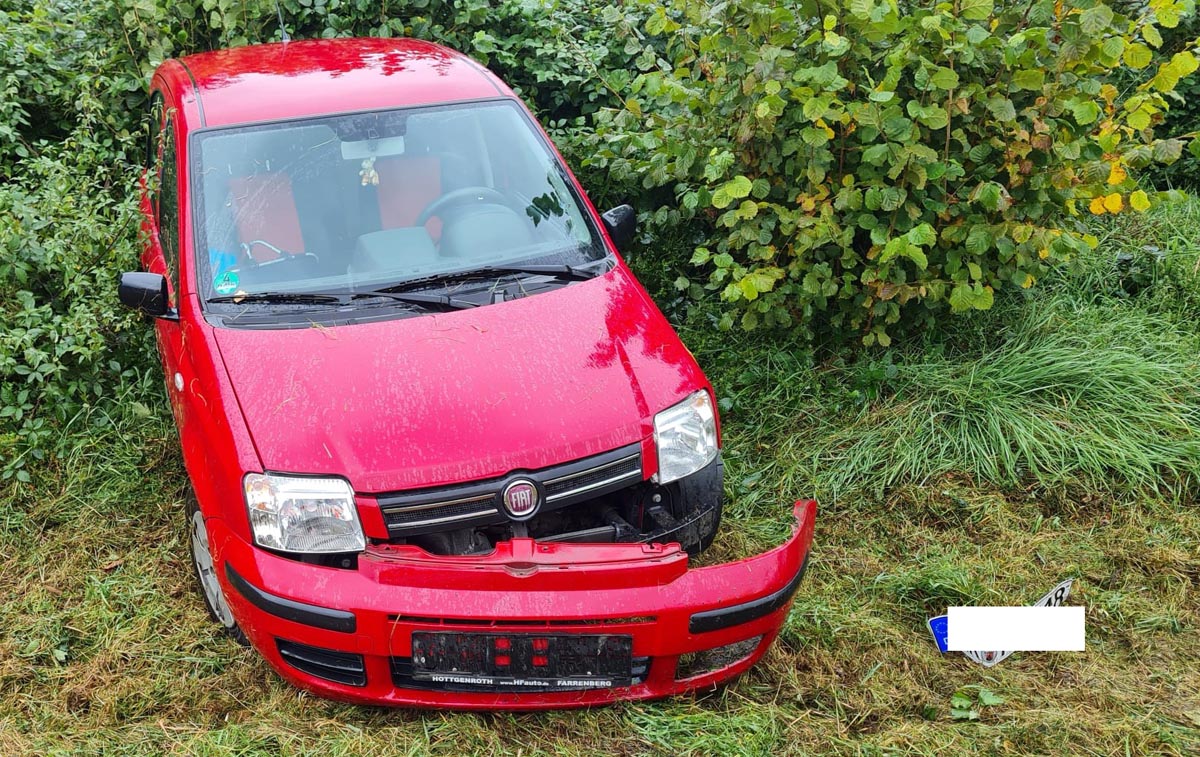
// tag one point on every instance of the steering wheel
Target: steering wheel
(459, 197)
(283, 254)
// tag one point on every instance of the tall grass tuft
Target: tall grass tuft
(1096, 394)
(1084, 379)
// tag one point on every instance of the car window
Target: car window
(168, 204)
(154, 129)
(164, 185)
(373, 199)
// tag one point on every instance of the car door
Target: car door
(161, 236)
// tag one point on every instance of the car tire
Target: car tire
(205, 571)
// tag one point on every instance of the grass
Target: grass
(1053, 438)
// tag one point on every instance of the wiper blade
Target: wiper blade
(490, 272)
(418, 298)
(561, 271)
(305, 298)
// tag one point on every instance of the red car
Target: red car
(444, 449)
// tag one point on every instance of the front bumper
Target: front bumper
(642, 591)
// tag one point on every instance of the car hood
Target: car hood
(470, 394)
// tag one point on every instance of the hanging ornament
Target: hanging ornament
(368, 173)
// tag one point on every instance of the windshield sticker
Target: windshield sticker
(226, 283)
(220, 261)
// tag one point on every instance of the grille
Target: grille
(623, 470)
(339, 667)
(443, 508)
(440, 513)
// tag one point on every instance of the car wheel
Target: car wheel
(206, 574)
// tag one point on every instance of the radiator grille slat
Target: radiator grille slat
(477, 503)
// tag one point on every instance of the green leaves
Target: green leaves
(1168, 150)
(816, 107)
(1031, 79)
(971, 297)
(1181, 64)
(1096, 20)
(979, 240)
(944, 78)
(933, 116)
(962, 707)
(992, 196)
(1138, 55)
(876, 155)
(734, 189)
(1002, 109)
(902, 164)
(975, 10)
(910, 246)
(1084, 111)
(965, 707)
(922, 235)
(660, 23)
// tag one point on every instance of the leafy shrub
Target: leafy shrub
(883, 158)
(1184, 116)
(73, 80)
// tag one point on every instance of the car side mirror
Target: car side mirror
(621, 223)
(146, 292)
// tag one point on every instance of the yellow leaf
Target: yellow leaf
(1097, 206)
(1139, 201)
(1117, 174)
(1071, 208)
(1028, 281)
(1043, 253)
(1114, 202)
(1091, 241)
(1109, 93)
(1138, 120)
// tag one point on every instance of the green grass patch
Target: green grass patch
(1054, 437)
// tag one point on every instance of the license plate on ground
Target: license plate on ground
(528, 662)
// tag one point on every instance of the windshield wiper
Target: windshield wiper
(344, 298)
(418, 298)
(304, 298)
(562, 271)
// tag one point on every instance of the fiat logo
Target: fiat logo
(520, 498)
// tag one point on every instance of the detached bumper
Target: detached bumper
(348, 634)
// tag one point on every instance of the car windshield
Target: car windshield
(367, 201)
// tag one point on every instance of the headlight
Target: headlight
(686, 437)
(297, 514)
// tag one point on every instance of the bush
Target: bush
(73, 80)
(1184, 116)
(887, 159)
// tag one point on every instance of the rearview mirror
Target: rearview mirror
(146, 292)
(621, 223)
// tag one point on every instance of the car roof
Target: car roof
(285, 80)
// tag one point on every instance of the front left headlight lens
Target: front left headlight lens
(686, 437)
(297, 514)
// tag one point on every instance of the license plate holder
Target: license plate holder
(521, 661)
